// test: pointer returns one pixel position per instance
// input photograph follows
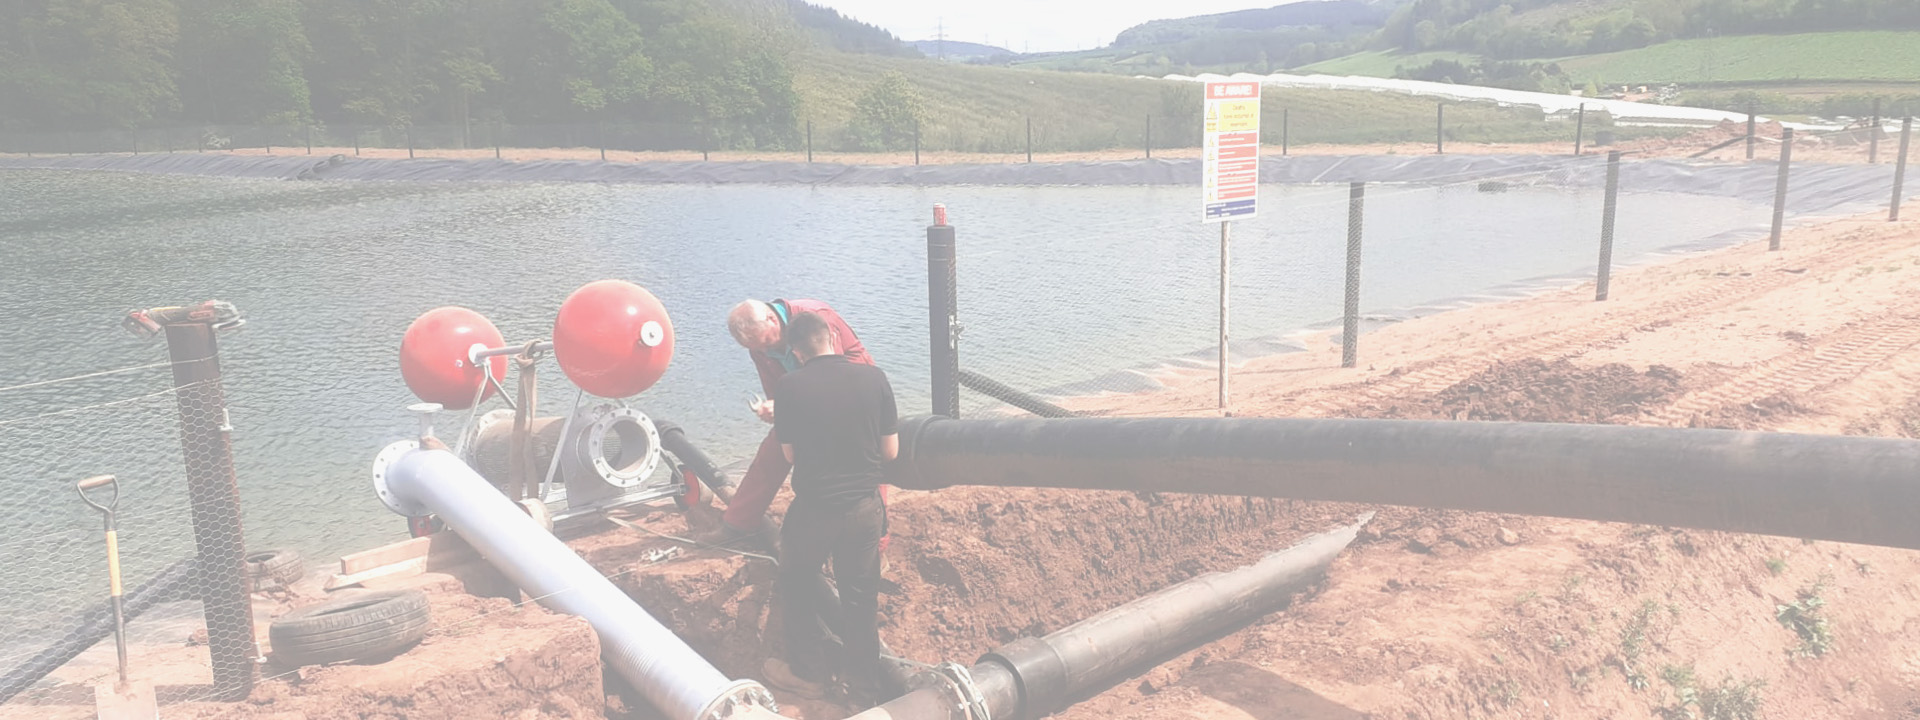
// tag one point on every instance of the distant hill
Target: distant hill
(1312, 14)
(957, 50)
(831, 29)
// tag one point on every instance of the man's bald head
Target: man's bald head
(754, 325)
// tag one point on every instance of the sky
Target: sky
(1027, 25)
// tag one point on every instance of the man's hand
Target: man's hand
(764, 409)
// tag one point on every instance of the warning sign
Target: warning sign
(1232, 150)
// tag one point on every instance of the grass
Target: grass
(1380, 63)
(1776, 565)
(1864, 56)
(1806, 617)
(986, 109)
(1729, 700)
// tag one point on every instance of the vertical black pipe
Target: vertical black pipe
(1580, 130)
(1873, 135)
(942, 292)
(215, 494)
(1440, 130)
(1606, 226)
(1900, 170)
(1350, 335)
(1780, 189)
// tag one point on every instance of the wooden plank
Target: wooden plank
(402, 551)
(402, 569)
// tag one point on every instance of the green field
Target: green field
(1381, 63)
(985, 109)
(1756, 59)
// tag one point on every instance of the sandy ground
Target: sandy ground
(1835, 149)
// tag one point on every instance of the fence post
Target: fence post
(309, 129)
(1873, 135)
(600, 138)
(495, 133)
(1607, 215)
(1149, 137)
(70, 144)
(943, 334)
(1029, 138)
(1900, 170)
(167, 137)
(1752, 126)
(809, 141)
(1440, 130)
(409, 141)
(215, 509)
(1286, 129)
(1780, 190)
(1226, 243)
(1580, 130)
(916, 141)
(136, 141)
(1350, 334)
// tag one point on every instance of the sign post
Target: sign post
(1231, 169)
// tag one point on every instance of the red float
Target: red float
(613, 338)
(434, 357)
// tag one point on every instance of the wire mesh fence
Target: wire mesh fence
(178, 548)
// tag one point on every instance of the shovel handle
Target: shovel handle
(99, 481)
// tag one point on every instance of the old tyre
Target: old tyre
(371, 625)
(275, 568)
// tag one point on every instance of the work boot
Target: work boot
(781, 677)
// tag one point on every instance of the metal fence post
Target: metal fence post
(1900, 170)
(600, 138)
(215, 510)
(1873, 135)
(1780, 190)
(136, 142)
(1580, 130)
(916, 141)
(1440, 130)
(494, 132)
(942, 331)
(1286, 129)
(309, 129)
(1226, 243)
(1149, 137)
(1350, 334)
(809, 141)
(1029, 138)
(409, 142)
(1752, 128)
(1607, 215)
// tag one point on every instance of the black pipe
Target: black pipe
(674, 440)
(1008, 394)
(942, 309)
(1846, 489)
(1033, 677)
(95, 624)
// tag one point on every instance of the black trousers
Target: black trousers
(849, 535)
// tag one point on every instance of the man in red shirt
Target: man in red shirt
(759, 327)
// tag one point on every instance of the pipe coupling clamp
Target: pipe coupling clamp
(957, 682)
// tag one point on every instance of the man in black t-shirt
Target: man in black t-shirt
(838, 426)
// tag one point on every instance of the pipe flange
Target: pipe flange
(740, 694)
(957, 681)
(382, 463)
(634, 428)
(470, 439)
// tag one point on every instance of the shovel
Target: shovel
(125, 700)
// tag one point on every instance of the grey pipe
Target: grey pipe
(1033, 677)
(1846, 489)
(674, 678)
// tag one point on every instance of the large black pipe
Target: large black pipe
(1034, 677)
(1847, 489)
(95, 624)
(674, 440)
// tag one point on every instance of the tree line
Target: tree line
(1501, 30)
(123, 64)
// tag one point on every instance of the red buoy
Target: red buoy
(613, 338)
(434, 357)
